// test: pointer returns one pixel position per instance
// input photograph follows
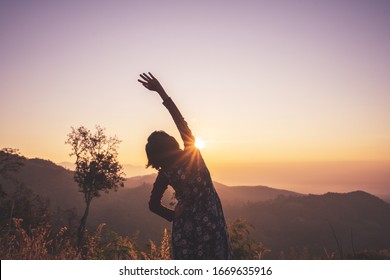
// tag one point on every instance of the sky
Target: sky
(274, 88)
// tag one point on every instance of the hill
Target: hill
(129, 169)
(125, 211)
(312, 225)
(236, 195)
(289, 223)
(56, 183)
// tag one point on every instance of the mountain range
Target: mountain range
(286, 222)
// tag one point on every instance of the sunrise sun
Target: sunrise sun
(199, 143)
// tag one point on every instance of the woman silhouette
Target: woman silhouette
(199, 229)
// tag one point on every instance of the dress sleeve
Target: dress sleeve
(185, 132)
(159, 187)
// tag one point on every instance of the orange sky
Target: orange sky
(260, 82)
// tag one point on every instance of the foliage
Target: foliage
(243, 245)
(42, 243)
(10, 161)
(118, 247)
(162, 252)
(97, 167)
(383, 254)
(24, 204)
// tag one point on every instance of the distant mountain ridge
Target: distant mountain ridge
(56, 183)
(359, 220)
(283, 219)
(129, 169)
(244, 194)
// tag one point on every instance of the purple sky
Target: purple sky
(257, 80)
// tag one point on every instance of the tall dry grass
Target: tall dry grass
(42, 243)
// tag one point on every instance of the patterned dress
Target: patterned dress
(199, 229)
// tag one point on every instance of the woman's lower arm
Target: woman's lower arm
(164, 96)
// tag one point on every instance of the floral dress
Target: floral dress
(199, 229)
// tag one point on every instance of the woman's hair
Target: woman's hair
(161, 149)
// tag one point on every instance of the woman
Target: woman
(199, 229)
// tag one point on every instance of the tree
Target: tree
(97, 167)
(22, 203)
(10, 161)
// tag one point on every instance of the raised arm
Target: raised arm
(151, 83)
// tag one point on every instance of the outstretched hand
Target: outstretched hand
(150, 82)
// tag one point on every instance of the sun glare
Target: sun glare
(199, 143)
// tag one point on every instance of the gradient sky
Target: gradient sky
(259, 81)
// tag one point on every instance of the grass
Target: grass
(42, 243)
